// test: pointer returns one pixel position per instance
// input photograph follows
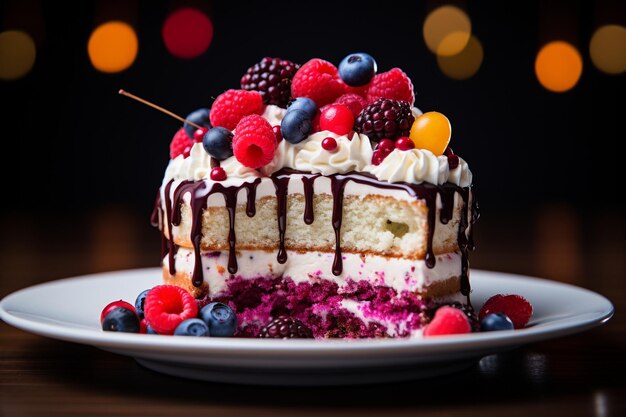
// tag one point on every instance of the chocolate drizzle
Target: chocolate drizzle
(425, 191)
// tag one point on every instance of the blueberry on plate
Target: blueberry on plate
(199, 117)
(139, 301)
(296, 126)
(217, 142)
(357, 69)
(305, 104)
(220, 318)
(121, 320)
(192, 327)
(496, 321)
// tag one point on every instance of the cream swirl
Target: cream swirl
(284, 157)
(351, 154)
(420, 165)
(273, 114)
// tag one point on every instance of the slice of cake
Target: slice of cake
(346, 211)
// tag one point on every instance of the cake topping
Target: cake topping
(385, 118)
(357, 70)
(355, 102)
(272, 79)
(318, 80)
(404, 143)
(394, 85)
(352, 153)
(198, 117)
(431, 131)
(337, 118)
(296, 125)
(217, 142)
(413, 166)
(218, 174)
(329, 143)
(231, 106)
(254, 141)
(181, 144)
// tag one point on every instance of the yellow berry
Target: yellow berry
(431, 131)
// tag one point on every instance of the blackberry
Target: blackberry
(272, 78)
(467, 309)
(286, 328)
(385, 118)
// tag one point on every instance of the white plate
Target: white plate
(69, 310)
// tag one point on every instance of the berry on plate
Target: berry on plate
(220, 319)
(139, 303)
(217, 142)
(232, 105)
(285, 327)
(192, 327)
(181, 144)
(272, 78)
(337, 118)
(495, 322)
(357, 69)
(199, 117)
(295, 126)
(393, 84)
(319, 81)
(448, 320)
(167, 306)
(385, 118)
(431, 131)
(254, 142)
(116, 304)
(121, 320)
(516, 307)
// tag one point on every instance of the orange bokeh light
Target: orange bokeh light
(558, 66)
(112, 47)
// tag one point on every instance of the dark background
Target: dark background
(89, 161)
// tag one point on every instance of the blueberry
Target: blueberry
(199, 117)
(150, 330)
(357, 69)
(141, 298)
(220, 318)
(296, 126)
(496, 321)
(192, 327)
(121, 320)
(217, 142)
(305, 104)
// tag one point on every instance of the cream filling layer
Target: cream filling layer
(398, 273)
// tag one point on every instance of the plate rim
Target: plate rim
(249, 347)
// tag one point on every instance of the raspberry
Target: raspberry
(272, 79)
(230, 106)
(116, 304)
(516, 307)
(181, 144)
(393, 84)
(355, 102)
(385, 118)
(319, 81)
(336, 118)
(166, 306)
(286, 328)
(467, 309)
(448, 320)
(254, 142)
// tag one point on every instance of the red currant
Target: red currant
(330, 144)
(277, 133)
(198, 134)
(218, 174)
(404, 143)
(386, 146)
(337, 118)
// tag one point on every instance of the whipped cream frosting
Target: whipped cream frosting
(353, 153)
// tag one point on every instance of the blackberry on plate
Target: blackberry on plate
(285, 327)
(385, 118)
(272, 78)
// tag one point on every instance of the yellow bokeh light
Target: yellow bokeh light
(112, 47)
(17, 54)
(608, 49)
(558, 66)
(447, 23)
(464, 64)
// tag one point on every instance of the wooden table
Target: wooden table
(581, 375)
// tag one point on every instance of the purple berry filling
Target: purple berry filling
(318, 304)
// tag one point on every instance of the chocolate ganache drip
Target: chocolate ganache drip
(425, 191)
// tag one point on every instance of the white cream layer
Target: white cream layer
(397, 273)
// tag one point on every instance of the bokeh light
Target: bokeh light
(187, 33)
(112, 47)
(558, 66)
(17, 54)
(608, 49)
(447, 30)
(464, 64)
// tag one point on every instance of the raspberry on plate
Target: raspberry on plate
(448, 320)
(166, 306)
(318, 80)
(516, 307)
(254, 142)
(393, 84)
(181, 144)
(230, 106)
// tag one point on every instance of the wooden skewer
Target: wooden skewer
(159, 108)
